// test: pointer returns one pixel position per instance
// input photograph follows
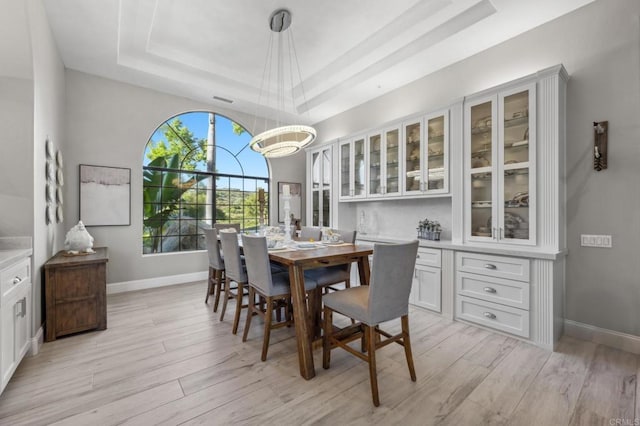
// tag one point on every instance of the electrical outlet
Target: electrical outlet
(603, 241)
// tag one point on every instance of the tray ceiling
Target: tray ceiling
(349, 51)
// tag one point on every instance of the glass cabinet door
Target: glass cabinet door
(517, 119)
(320, 186)
(392, 161)
(482, 140)
(358, 167)
(326, 187)
(413, 157)
(345, 170)
(375, 165)
(437, 146)
(315, 187)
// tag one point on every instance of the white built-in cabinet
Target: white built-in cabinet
(383, 160)
(15, 317)
(352, 168)
(407, 159)
(504, 267)
(427, 284)
(426, 155)
(320, 186)
(500, 166)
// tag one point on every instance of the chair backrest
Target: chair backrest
(346, 236)
(256, 257)
(213, 249)
(219, 226)
(232, 260)
(310, 232)
(391, 278)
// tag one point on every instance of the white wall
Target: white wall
(600, 47)
(109, 124)
(48, 122)
(16, 150)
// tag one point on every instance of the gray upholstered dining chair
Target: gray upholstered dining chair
(385, 298)
(236, 272)
(219, 226)
(216, 267)
(310, 233)
(273, 289)
(336, 274)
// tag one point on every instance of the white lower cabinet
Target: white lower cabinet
(493, 291)
(15, 317)
(426, 290)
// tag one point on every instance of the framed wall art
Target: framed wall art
(105, 195)
(295, 203)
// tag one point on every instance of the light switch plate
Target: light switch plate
(603, 241)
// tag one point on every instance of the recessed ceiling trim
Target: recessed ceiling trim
(467, 18)
(413, 16)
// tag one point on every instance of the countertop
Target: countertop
(13, 249)
(519, 251)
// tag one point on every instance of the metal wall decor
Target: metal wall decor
(600, 144)
(54, 176)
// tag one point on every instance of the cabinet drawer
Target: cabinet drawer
(513, 268)
(499, 317)
(15, 275)
(429, 257)
(498, 290)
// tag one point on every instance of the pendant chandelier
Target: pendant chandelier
(286, 139)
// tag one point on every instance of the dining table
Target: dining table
(300, 257)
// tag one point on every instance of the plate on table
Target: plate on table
(276, 248)
(306, 245)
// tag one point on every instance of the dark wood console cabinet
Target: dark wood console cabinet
(75, 293)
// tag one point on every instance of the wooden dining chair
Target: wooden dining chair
(332, 275)
(384, 299)
(216, 267)
(273, 290)
(236, 272)
(308, 233)
(219, 226)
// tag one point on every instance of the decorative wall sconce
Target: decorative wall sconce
(600, 142)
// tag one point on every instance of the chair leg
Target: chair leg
(210, 288)
(373, 375)
(236, 318)
(227, 294)
(326, 343)
(252, 304)
(218, 285)
(267, 327)
(407, 346)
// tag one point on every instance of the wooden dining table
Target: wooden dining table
(298, 261)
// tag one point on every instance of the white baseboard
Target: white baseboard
(164, 281)
(615, 339)
(36, 342)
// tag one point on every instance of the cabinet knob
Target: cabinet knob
(489, 315)
(417, 256)
(16, 280)
(489, 289)
(490, 266)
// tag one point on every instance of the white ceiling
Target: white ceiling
(348, 51)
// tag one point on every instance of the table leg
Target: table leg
(300, 316)
(363, 270)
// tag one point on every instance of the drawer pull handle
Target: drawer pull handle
(17, 280)
(418, 257)
(489, 315)
(489, 289)
(490, 266)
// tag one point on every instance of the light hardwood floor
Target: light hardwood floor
(166, 359)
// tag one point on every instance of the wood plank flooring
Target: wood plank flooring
(167, 359)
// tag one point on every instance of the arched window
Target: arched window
(198, 170)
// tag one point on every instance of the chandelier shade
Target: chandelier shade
(283, 139)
